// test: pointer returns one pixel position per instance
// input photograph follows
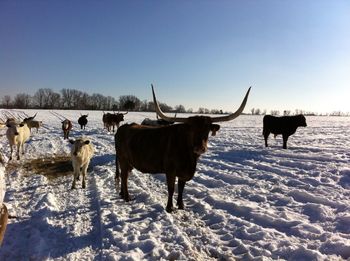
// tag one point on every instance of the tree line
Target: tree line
(72, 99)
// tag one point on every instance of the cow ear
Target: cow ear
(214, 128)
(87, 142)
(71, 141)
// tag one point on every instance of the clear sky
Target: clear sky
(294, 53)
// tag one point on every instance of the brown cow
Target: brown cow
(112, 120)
(66, 127)
(173, 150)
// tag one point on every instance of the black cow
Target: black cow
(285, 125)
(83, 121)
(173, 149)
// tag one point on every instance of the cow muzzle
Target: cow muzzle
(199, 150)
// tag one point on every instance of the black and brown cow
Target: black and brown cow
(66, 127)
(173, 150)
(285, 125)
(110, 120)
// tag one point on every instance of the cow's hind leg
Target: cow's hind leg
(117, 174)
(124, 184)
(180, 186)
(170, 178)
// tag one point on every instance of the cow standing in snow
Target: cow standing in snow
(66, 127)
(81, 152)
(17, 134)
(83, 121)
(285, 125)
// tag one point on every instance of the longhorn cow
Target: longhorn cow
(173, 150)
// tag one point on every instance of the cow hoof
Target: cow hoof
(169, 209)
(181, 206)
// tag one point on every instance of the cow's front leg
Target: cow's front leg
(11, 152)
(84, 170)
(180, 186)
(75, 175)
(285, 138)
(170, 178)
(18, 147)
(266, 136)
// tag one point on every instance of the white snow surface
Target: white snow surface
(245, 202)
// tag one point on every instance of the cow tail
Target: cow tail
(117, 173)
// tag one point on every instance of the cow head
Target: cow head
(78, 144)
(66, 124)
(199, 127)
(301, 121)
(14, 127)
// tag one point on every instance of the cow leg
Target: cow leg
(117, 173)
(180, 187)
(124, 188)
(75, 175)
(84, 170)
(266, 136)
(170, 178)
(285, 138)
(11, 152)
(18, 147)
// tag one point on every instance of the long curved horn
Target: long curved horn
(216, 119)
(235, 114)
(161, 114)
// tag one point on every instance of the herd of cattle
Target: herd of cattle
(154, 146)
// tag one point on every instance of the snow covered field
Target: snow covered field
(246, 202)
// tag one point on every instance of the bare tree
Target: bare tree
(67, 98)
(22, 101)
(129, 102)
(39, 98)
(6, 101)
(180, 108)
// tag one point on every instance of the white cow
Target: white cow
(81, 152)
(17, 134)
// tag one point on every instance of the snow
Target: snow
(245, 202)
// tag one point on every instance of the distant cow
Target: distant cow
(29, 118)
(83, 121)
(17, 134)
(34, 124)
(112, 120)
(285, 125)
(66, 127)
(81, 152)
(31, 123)
(173, 150)
(157, 122)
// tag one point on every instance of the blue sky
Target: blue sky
(294, 54)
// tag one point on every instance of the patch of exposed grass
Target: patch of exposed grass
(51, 167)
